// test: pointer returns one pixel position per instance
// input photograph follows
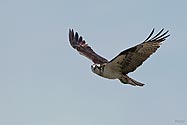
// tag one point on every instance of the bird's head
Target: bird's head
(97, 68)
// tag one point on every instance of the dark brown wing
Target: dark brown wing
(83, 48)
(128, 60)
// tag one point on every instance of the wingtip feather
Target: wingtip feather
(150, 34)
(158, 37)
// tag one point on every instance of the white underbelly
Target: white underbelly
(110, 74)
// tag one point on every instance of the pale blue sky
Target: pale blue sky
(43, 81)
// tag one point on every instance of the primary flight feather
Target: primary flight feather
(125, 62)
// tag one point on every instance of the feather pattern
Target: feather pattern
(84, 49)
(128, 60)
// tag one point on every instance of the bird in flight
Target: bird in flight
(125, 62)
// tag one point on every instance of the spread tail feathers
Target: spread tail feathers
(127, 80)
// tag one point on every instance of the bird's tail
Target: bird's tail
(127, 80)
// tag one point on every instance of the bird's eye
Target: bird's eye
(95, 67)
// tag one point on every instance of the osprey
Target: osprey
(125, 62)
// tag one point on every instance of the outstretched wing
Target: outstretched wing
(128, 60)
(83, 48)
